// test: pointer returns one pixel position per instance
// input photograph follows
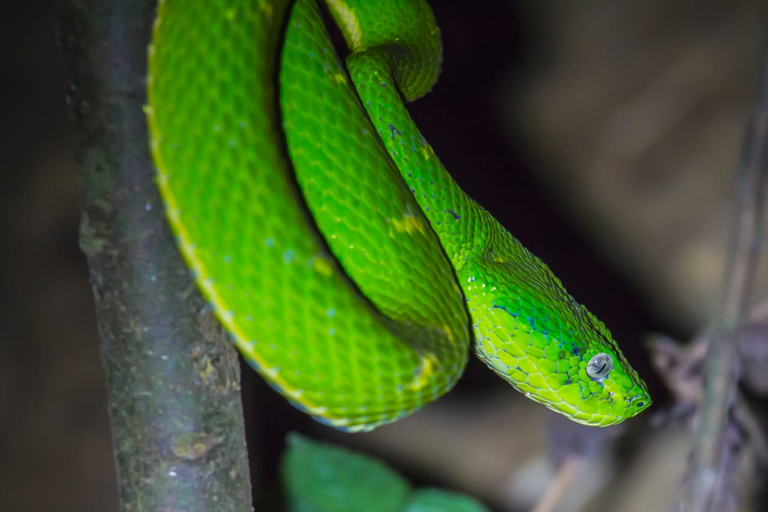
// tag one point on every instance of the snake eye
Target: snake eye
(599, 366)
(640, 404)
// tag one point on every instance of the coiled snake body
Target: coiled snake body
(350, 269)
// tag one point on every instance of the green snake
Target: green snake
(349, 268)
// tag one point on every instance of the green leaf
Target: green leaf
(324, 478)
(435, 500)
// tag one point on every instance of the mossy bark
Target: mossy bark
(172, 374)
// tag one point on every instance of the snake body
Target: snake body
(350, 269)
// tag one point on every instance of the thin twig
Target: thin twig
(557, 487)
(746, 419)
(721, 366)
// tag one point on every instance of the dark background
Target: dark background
(524, 88)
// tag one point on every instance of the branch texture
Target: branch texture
(172, 374)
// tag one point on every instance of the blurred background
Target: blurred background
(603, 134)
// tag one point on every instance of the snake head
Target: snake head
(607, 390)
(602, 388)
(546, 345)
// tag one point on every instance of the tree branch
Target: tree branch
(172, 374)
(706, 478)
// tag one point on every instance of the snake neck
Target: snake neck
(461, 224)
